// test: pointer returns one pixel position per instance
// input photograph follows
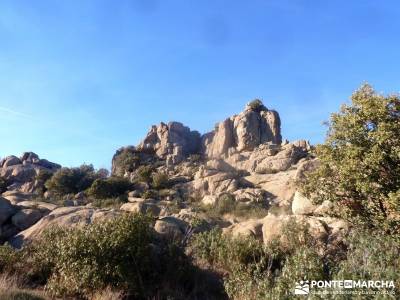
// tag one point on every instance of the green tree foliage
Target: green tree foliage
(72, 180)
(103, 188)
(257, 105)
(127, 161)
(360, 161)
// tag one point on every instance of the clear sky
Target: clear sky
(81, 78)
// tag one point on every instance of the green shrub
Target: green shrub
(103, 188)
(371, 256)
(144, 173)
(257, 271)
(8, 258)
(121, 254)
(110, 202)
(160, 180)
(225, 203)
(245, 260)
(360, 163)
(72, 180)
(115, 253)
(44, 175)
(256, 105)
(126, 161)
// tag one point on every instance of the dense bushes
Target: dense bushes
(73, 180)
(256, 271)
(360, 163)
(112, 253)
(122, 254)
(227, 204)
(103, 188)
(126, 161)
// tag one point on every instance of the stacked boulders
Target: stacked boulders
(21, 173)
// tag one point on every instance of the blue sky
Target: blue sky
(81, 78)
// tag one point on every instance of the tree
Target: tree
(360, 161)
(103, 188)
(73, 180)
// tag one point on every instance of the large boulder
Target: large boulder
(252, 127)
(43, 207)
(301, 205)
(63, 217)
(21, 173)
(141, 207)
(253, 195)
(11, 161)
(247, 228)
(282, 161)
(273, 227)
(213, 182)
(171, 227)
(6, 210)
(25, 218)
(172, 141)
(15, 196)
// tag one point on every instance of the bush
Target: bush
(371, 256)
(144, 173)
(256, 105)
(72, 180)
(359, 162)
(8, 258)
(121, 254)
(103, 188)
(115, 253)
(225, 203)
(257, 271)
(126, 161)
(160, 180)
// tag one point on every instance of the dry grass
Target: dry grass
(108, 294)
(12, 288)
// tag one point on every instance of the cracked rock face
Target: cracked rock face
(243, 132)
(172, 141)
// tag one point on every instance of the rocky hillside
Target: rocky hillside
(242, 164)
(223, 208)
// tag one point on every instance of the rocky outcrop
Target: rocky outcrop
(20, 173)
(64, 217)
(172, 141)
(243, 132)
(17, 213)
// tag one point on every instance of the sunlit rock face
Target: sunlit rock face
(243, 132)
